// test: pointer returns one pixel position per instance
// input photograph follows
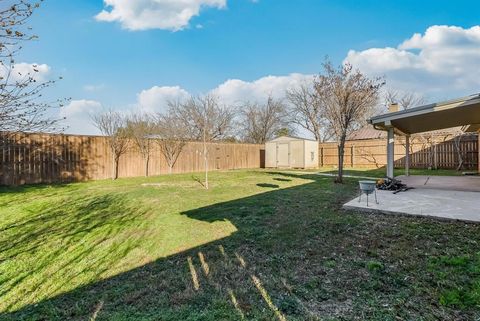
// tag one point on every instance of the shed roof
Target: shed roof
(458, 112)
(285, 138)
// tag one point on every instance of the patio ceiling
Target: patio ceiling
(459, 112)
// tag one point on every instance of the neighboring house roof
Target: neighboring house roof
(367, 133)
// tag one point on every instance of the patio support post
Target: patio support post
(407, 155)
(390, 152)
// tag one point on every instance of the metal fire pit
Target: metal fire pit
(367, 188)
(392, 184)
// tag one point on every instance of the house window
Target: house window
(312, 156)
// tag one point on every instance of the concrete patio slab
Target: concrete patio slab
(443, 204)
(451, 183)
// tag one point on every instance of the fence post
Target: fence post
(352, 155)
(322, 161)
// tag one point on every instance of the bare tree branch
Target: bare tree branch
(113, 125)
(406, 100)
(171, 137)
(204, 116)
(307, 111)
(140, 128)
(262, 122)
(22, 107)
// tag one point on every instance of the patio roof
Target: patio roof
(458, 112)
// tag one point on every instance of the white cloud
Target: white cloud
(92, 88)
(441, 62)
(231, 92)
(156, 98)
(234, 91)
(155, 14)
(77, 114)
(23, 70)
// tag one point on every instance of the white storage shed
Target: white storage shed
(291, 152)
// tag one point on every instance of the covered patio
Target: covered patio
(445, 197)
(464, 112)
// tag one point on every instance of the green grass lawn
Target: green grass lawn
(259, 245)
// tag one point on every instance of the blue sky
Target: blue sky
(109, 63)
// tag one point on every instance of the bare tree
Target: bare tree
(349, 98)
(22, 107)
(205, 119)
(171, 137)
(113, 125)
(140, 129)
(456, 135)
(307, 111)
(261, 122)
(203, 116)
(457, 141)
(406, 100)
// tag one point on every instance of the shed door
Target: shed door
(282, 155)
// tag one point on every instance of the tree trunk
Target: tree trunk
(317, 134)
(341, 155)
(147, 161)
(456, 142)
(170, 168)
(116, 169)
(114, 166)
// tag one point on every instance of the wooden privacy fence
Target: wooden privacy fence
(48, 158)
(426, 151)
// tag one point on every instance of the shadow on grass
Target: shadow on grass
(274, 268)
(267, 185)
